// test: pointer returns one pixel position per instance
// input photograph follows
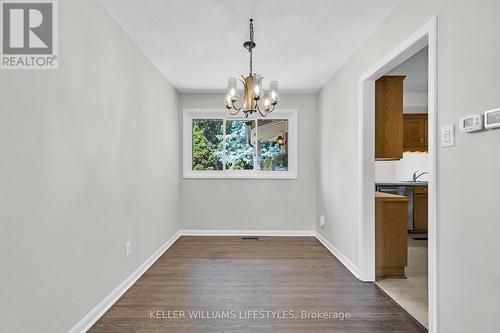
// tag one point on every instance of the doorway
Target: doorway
(424, 37)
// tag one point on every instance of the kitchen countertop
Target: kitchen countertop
(402, 183)
(389, 197)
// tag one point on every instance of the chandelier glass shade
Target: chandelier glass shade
(255, 99)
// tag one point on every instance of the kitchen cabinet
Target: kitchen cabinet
(420, 209)
(391, 236)
(415, 132)
(389, 118)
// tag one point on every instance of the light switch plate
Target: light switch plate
(448, 136)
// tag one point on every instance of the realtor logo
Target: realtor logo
(29, 34)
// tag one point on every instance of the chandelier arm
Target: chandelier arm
(236, 109)
(266, 112)
(258, 109)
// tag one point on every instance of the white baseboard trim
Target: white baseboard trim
(285, 233)
(91, 318)
(339, 255)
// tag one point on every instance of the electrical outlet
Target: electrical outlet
(128, 249)
(322, 221)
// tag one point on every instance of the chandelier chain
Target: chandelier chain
(251, 47)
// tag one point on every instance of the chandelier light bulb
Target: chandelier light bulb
(256, 92)
(229, 102)
(234, 95)
(266, 103)
(274, 92)
(232, 89)
(257, 89)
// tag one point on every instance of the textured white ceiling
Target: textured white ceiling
(197, 44)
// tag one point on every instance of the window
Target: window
(217, 145)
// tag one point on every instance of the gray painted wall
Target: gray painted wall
(468, 71)
(251, 204)
(88, 162)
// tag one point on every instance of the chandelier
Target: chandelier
(254, 98)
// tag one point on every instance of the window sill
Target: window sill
(250, 174)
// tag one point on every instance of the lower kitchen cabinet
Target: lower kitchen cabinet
(420, 209)
(391, 235)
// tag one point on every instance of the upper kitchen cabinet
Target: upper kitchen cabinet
(389, 118)
(415, 132)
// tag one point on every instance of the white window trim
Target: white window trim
(189, 114)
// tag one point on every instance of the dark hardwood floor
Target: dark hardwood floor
(225, 275)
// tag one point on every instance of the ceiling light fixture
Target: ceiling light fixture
(254, 98)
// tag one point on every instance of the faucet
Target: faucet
(415, 176)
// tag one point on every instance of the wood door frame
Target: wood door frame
(425, 36)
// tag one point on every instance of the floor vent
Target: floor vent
(249, 237)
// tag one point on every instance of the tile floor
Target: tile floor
(411, 293)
